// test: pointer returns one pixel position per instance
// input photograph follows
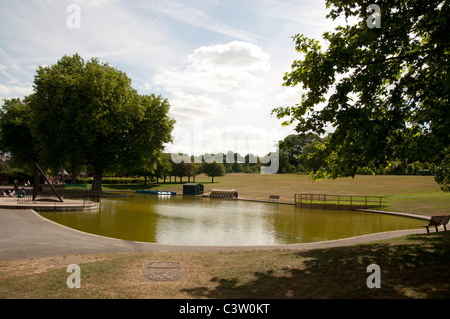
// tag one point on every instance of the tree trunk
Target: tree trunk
(74, 174)
(97, 182)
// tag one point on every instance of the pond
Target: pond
(190, 220)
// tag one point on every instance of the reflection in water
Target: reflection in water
(205, 221)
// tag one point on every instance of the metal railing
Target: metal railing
(322, 201)
(46, 197)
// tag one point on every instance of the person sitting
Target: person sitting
(4, 194)
(22, 193)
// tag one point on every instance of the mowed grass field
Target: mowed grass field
(409, 194)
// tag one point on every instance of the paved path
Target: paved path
(26, 234)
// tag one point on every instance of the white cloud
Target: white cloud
(199, 139)
(306, 12)
(15, 91)
(11, 86)
(288, 97)
(185, 106)
(303, 17)
(235, 55)
(93, 3)
(218, 68)
(214, 79)
(197, 18)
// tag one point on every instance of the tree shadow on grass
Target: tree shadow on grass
(417, 267)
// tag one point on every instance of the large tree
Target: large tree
(55, 105)
(382, 83)
(88, 113)
(213, 169)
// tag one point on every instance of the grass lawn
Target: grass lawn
(411, 267)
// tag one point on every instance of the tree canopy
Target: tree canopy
(16, 136)
(213, 169)
(383, 89)
(87, 113)
(15, 133)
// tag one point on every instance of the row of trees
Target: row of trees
(229, 162)
(85, 114)
(168, 168)
(298, 155)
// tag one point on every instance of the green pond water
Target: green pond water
(186, 220)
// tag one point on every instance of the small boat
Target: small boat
(153, 192)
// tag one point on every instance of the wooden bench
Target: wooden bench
(444, 221)
(437, 221)
(274, 197)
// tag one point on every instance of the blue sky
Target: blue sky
(219, 63)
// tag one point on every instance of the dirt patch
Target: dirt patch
(40, 265)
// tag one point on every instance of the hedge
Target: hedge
(113, 180)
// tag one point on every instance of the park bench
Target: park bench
(274, 197)
(437, 221)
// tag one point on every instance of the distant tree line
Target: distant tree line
(299, 154)
(191, 166)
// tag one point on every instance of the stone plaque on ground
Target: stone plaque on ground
(163, 271)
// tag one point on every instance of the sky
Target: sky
(220, 63)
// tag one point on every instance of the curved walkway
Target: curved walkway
(26, 234)
(68, 204)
